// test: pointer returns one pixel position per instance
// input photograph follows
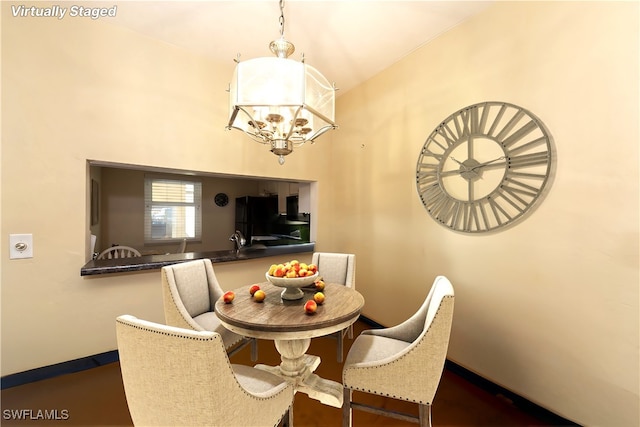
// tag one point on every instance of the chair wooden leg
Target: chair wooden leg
(289, 417)
(254, 350)
(424, 412)
(347, 413)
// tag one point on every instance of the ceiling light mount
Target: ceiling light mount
(279, 101)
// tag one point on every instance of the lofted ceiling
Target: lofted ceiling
(349, 41)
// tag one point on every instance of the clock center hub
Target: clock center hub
(468, 169)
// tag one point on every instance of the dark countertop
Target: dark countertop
(155, 262)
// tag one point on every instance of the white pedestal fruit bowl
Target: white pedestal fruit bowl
(292, 285)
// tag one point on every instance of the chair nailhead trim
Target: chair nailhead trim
(171, 334)
(213, 338)
(397, 361)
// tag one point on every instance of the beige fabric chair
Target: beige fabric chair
(118, 252)
(190, 291)
(337, 268)
(179, 377)
(403, 362)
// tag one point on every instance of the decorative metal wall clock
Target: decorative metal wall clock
(221, 199)
(484, 167)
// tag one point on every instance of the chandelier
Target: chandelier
(279, 101)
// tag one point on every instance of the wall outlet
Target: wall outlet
(20, 246)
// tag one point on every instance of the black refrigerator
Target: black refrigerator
(256, 216)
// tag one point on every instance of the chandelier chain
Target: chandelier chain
(281, 18)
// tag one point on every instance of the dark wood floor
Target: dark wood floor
(95, 397)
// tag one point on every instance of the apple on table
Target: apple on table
(319, 298)
(228, 297)
(259, 295)
(310, 307)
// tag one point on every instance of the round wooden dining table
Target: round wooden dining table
(286, 323)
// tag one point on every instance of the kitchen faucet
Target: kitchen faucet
(238, 239)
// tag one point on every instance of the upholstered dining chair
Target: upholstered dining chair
(180, 377)
(118, 252)
(190, 290)
(337, 268)
(403, 362)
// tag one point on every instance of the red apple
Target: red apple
(318, 298)
(312, 267)
(228, 297)
(310, 307)
(259, 295)
(291, 274)
(319, 285)
(253, 289)
(272, 269)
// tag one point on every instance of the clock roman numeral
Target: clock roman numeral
(510, 125)
(513, 199)
(527, 175)
(427, 168)
(427, 152)
(529, 145)
(483, 119)
(450, 213)
(456, 211)
(518, 196)
(498, 212)
(497, 119)
(447, 134)
(430, 195)
(426, 178)
(513, 185)
(445, 211)
(483, 214)
(519, 134)
(468, 123)
(528, 160)
(434, 202)
(471, 218)
(475, 217)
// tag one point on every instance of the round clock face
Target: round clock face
(221, 199)
(484, 167)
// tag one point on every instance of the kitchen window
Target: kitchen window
(172, 210)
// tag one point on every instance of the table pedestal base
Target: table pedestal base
(297, 368)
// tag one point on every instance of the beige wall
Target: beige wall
(548, 308)
(75, 90)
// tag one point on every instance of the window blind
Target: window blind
(172, 210)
